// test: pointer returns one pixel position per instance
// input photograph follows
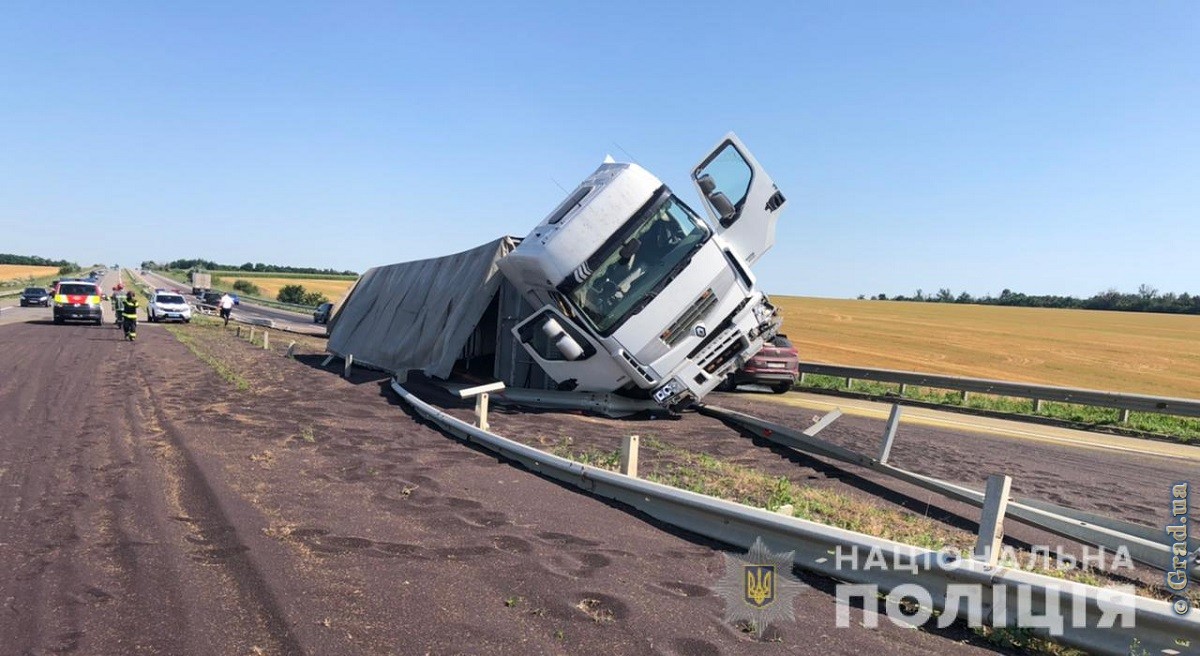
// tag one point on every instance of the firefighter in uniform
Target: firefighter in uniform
(116, 303)
(129, 314)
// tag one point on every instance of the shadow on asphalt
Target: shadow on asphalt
(358, 374)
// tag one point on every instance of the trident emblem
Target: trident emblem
(760, 585)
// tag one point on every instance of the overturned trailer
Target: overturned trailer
(622, 288)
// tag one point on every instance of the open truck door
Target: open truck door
(741, 198)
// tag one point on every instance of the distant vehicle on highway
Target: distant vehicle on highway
(35, 296)
(77, 300)
(165, 306)
(211, 298)
(321, 314)
(777, 366)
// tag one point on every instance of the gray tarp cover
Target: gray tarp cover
(418, 315)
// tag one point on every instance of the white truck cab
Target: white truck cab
(636, 291)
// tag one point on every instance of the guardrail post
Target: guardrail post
(480, 392)
(966, 395)
(849, 382)
(1037, 406)
(903, 388)
(291, 351)
(239, 331)
(349, 364)
(889, 434)
(251, 333)
(266, 341)
(991, 522)
(1125, 416)
(801, 378)
(629, 455)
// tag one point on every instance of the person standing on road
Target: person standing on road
(129, 313)
(116, 303)
(226, 307)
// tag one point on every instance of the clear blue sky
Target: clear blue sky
(1048, 147)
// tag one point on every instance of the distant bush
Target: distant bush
(68, 269)
(297, 295)
(291, 294)
(247, 287)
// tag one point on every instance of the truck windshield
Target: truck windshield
(638, 266)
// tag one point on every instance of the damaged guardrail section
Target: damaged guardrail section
(1099, 620)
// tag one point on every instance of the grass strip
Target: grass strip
(186, 334)
(1181, 429)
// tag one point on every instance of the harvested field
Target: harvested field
(20, 271)
(1145, 353)
(270, 286)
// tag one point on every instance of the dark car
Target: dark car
(321, 314)
(211, 298)
(35, 296)
(777, 366)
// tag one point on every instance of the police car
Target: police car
(166, 306)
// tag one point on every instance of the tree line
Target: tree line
(33, 260)
(258, 267)
(1146, 299)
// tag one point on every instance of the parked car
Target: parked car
(35, 296)
(77, 300)
(169, 306)
(777, 366)
(321, 314)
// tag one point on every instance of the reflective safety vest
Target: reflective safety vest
(130, 307)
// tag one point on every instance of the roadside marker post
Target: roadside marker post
(991, 522)
(889, 434)
(349, 365)
(266, 341)
(291, 350)
(629, 455)
(251, 333)
(480, 392)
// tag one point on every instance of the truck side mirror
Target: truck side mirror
(570, 349)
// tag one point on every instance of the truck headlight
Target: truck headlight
(762, 312)
(668, 391)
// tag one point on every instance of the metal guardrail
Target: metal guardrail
(1144, 544)
(1117, 400)
(1154, 627)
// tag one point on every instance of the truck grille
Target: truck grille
(690, 317)
(721, 350)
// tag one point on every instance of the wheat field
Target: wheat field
(269, 287)
(1156, 354)
(19, 271)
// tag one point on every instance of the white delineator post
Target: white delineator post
(629, 455)
(480, 392)
(991, 523)
(889, 434)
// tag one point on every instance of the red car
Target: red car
(777, 366)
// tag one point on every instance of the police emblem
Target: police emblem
(759, 587)
(701, 331)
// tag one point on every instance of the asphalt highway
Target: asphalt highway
(246, 310)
